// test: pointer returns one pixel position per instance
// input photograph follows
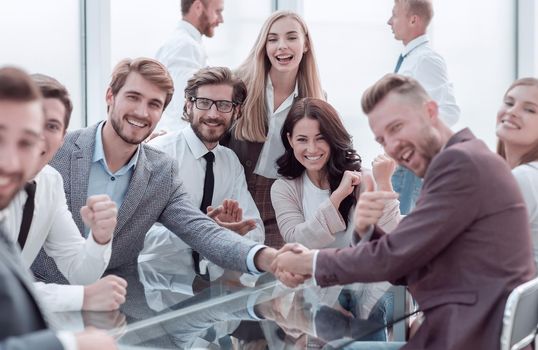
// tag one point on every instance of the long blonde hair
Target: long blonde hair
(532, 154)
(253, 125)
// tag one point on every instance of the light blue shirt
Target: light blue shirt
(115, 185)
(102, 180)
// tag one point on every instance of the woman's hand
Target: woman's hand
(349, 181)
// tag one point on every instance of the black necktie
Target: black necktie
(399, 63)
(27, 213)
(209, 185)
(209, 182)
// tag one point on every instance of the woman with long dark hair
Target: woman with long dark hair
(321, 176)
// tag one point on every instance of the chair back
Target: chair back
(520, 318)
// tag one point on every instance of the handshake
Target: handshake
(293, 264)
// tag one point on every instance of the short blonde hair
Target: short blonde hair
(421, 8)
(399, 84)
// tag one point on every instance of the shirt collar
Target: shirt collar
(196, 145)
(192, 30)
(413, 44)
(269, 92)
(99, 152)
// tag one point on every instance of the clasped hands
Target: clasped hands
(293, 264)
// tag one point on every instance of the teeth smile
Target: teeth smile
(284, 57)
(4, 180)
(509, 124)
(313, 158)
(136, 123)
(405, 156)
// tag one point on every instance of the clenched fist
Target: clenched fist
(100, 214)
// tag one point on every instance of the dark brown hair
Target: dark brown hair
(52, 88)
(16, 85)
(343, 157)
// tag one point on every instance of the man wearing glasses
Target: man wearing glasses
(111, 157)
(213, 99)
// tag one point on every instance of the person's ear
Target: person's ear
(289, 138)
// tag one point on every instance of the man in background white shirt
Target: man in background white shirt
(409, 22)
(213, 101)
(52, 226)
(183, 53)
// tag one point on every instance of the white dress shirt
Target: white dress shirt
(313, 198)
(273, 147)
(81, 261)
(230, 182)
(527, 178)
(429, 69)
(183, 54)
(67, 339)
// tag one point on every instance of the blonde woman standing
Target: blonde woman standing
(280, 68)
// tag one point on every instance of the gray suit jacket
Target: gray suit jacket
(154, 195)
(22, 325)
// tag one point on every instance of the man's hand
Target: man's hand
(100, 214)
(105, 295)
(383, 167)
(293, 264)
(230, 216)
(92, 338)
(370, 206)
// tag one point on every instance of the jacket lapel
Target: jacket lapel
(81, 161)
(135, 191)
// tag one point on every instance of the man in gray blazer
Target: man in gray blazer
(464, 247)
(22, 322)
(111, 158)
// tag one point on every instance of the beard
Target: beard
(210, 135)
(207, 28)
(117, 125)
(428, 147)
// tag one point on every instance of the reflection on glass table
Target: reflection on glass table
(169, 307)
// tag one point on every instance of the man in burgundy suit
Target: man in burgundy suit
(464, 247)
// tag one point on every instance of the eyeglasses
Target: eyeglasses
(204, 104)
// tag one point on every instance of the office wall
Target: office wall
(44, 37)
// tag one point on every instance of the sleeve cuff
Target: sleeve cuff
(314, 262)
(250, 259)
(68, 340)
(59, 297)
(96, 250)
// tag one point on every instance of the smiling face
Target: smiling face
(517, 119)
(285, 45)
(54, 130)
(211, 125)
(21, 127)
(136, 109)
(406, 130)
(310, 147)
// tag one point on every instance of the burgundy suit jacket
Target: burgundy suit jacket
(461, 251)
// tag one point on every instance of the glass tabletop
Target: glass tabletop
(168, 307)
